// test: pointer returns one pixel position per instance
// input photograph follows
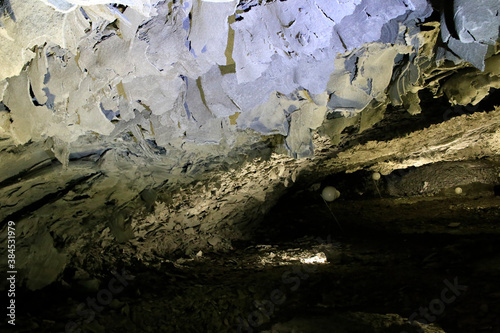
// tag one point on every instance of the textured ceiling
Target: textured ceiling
(176, 73)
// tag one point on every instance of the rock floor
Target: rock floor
(303, 273)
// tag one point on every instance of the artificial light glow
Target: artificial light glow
(292, 257)
(319, 258)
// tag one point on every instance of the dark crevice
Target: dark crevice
(32, 172)
(34, 100)
(88, 155)
(397, 122)
(6, 9)
(4, 107)
(47, 199)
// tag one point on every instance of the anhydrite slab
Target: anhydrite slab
(28, 120)
(35, 24)
(472, 86)
(269, 118)
(477, 21)
(355, 87)
(308, 118)
(472, 29)
(145, 7)
(294, 30)
(196, 72)
(65, 108)
(209, 29)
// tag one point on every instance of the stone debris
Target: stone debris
(108, 109)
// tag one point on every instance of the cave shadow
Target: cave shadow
(6, 9)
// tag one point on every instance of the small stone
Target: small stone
(214, 241)
(116, 304)
(458, 190)
(454, 225)
(315, 187)
(91, 285)
(193, 222)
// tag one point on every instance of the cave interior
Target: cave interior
(292, 166)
